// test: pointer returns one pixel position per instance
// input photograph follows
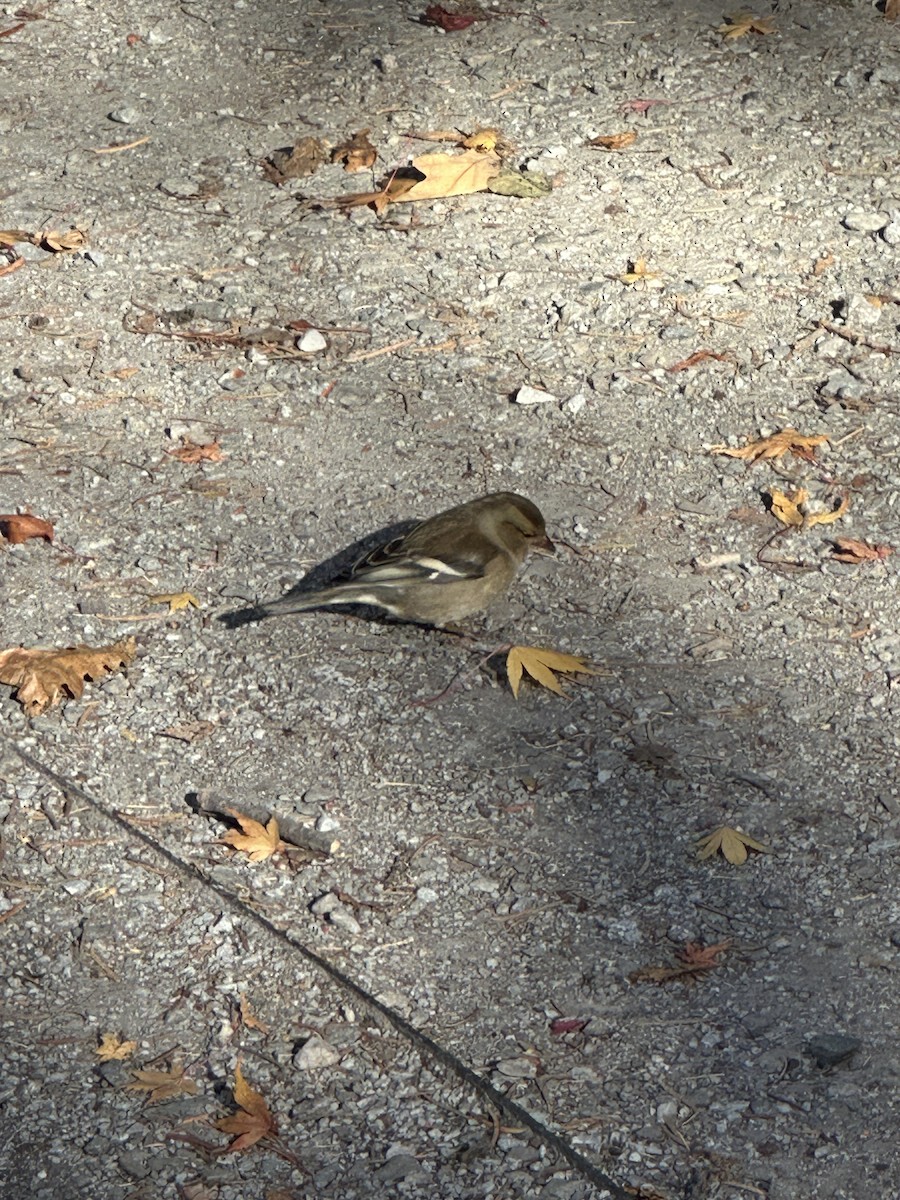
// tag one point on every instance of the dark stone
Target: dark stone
(829, 1049)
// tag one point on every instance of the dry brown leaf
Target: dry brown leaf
(852, 550)
(253, 1121)
(41, 677)
(452, 174)
(248, 1017)
(786, 441)
(357, 153)
(62, 243)
(829, 517)
(175, 600)
(162, 1085)
(694, 961)
(543, 665)
(295, 162)
(19, 527)
(786, 508)
(733, 843)
(257, 841)
(190, 452)
(697, 357)
(892, 10)
(614, 141)
(112, 1049)
(741, 23)
(9, 237)
(637, 272)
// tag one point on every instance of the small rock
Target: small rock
(861, 311)
(400, 1166)
(528, 396)
(844, 386)
(829, 1049)
(865, 222)
(124, 116)
(312, 342)
(316, 1053)
(574, 404)
(134, 1164)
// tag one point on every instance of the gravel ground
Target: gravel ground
(504, 867)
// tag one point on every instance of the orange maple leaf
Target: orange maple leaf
(190, 452)
(253, 1121)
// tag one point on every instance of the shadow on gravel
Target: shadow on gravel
(330, 571)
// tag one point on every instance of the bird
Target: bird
(442, 571)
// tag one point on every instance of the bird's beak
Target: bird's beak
(544, 546)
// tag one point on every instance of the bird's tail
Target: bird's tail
(296, 602)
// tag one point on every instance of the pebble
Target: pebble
(529, 396)
(124, 116)
(865, 222)
(844, 386)
(316, 1053)
(574, 404)
(312, 342)
(829, 1049)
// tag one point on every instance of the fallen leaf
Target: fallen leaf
(786, 508)
(248, 1017)
(42, 676)
(190, 452)
(614, 141)
(525, 185)
(62, 243)
(829, 517)
(189, 731)
(257, 841)
(733, 843)
(852, 550)
(698, 356)
(452, 22)
(295, 162)
(741, 23)
(637, 272)
(543, 665)
(357, 153)
(640, 106)
(694, 961)
(252, 1122)
(561, 1025)
(175, 600)
(19, 527)
(162, 1085)
(112, 1049)
(9, 237)
(892, 10)
(486, 141)
(786, 441)
(452, 174)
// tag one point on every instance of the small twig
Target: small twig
(364, 355)
(857, 339)
(124, 146)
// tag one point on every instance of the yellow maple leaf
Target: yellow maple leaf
(543, 665)
(786, 441)
(111, 1048)
(257, 841)
(162, 1085)
(252, 1121)
(739, 24)
(41, 677)
(786, 508)
(637, 272)
(175, 600)
(733, 843)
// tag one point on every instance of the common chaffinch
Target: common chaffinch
(442, 571)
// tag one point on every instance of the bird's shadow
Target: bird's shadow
(333, 569)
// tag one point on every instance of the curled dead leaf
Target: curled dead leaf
(19, 527)
(741, 23)
(113, 1049)
(357, 153)
(855, 551)
(162, 1085)
(190, 452)
(614, 141)
(786, 441)
(257, 841)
